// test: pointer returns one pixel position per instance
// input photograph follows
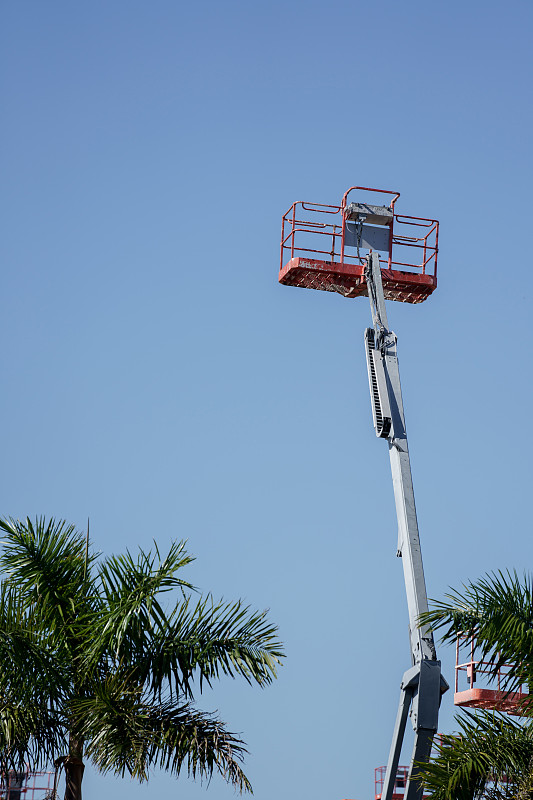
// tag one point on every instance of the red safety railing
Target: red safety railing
(27, 785)
(292, 228)
(316, 229)
(493, 693)
(400, 783)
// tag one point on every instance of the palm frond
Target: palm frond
(46, 561)
(29, 668)
(31, 733)
(208, 640)
(127, 734)
(130, 591)
(490, 755)
(34, 683)
(148, 575)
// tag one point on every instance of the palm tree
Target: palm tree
(492, 755)
(94, 668)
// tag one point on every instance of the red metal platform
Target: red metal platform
(349, 280)
(26, 785)
(493, 696)
(399, 785)
(323, 247)
(510, 702)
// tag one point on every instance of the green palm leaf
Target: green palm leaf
(126, 733)
(46, 561)
(490, 756)
(166, 650)
(33, 686)
(212, 639)
(129, 591)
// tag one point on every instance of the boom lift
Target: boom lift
(347, 229)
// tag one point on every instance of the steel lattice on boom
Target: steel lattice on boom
(341, 233)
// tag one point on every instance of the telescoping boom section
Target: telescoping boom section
(369, 249)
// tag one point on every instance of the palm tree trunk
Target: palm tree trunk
(74, 769)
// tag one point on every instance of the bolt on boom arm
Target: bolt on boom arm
(422, 685)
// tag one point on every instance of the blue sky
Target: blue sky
(159, 380)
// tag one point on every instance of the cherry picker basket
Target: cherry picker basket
(26, 785)
(325, 246)
(400, 784)
(493, 693)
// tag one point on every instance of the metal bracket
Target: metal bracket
(421, 689)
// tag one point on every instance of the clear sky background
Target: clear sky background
(158, 379)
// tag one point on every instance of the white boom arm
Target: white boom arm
(422, 685)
